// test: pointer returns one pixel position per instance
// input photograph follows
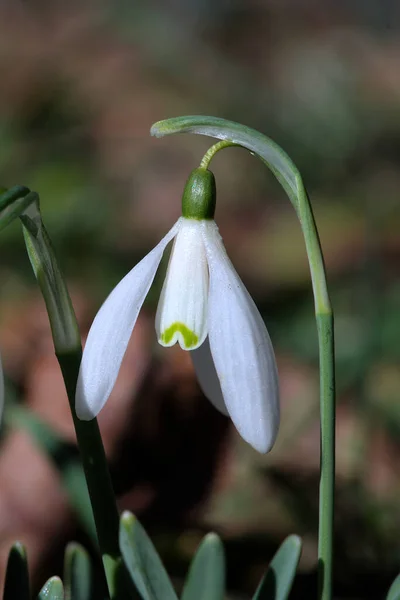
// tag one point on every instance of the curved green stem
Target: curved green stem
(288, 175)
(211, 152)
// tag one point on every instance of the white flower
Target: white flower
(205, 307)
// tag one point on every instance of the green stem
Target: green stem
(327, 473)
(68, 349)
(282, 166)
(325, 330)
(97, 475)
(211, 152)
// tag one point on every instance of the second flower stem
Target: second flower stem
(327, 474)
(97, 475)
(326, 347)
(67, 343)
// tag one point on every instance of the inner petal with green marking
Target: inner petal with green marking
(182, 313)
(179, 332)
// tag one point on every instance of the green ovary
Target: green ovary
(190, 339)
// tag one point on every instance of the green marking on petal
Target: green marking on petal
(190, 339)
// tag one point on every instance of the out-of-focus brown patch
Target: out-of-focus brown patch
(382, 472)
(167, 444)
(33, 507)
(47, 397)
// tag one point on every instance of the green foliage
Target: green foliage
(77, 573)
(394, 591)
(277, 581)
(13, 202)
(52, 590)
(206, 577)
(78, 576)
(62, 318)
(143, 562)
(16, 586)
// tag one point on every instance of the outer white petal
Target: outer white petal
(241, 349)
(207, 376)
(182, 308)
(111, 330)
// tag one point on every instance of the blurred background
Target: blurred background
(81, 85)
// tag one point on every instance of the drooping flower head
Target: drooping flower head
(203, 306)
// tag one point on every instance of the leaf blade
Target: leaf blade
(143, 562)
(206, 577)
(77, 573)
(394, 590)
(52, 590)
(17, 576)
(14, 202)
(277, 581)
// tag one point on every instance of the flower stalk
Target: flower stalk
(211, 152)
(235, 134)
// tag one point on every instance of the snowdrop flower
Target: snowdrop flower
(203, 306)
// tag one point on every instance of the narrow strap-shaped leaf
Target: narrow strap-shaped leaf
(77, 573)
(62, 318)
(394, 591)
(277, 581)
(143, 562)
(206, 577)
(16, 586)
(13, 202)
(52, 590)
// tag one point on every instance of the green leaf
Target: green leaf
(62, 318)
(16, 586)
(277, 581)
(77, 573)
(206, 577)
(52, 590)
(13, 202)
(394, 591)
(143, 562)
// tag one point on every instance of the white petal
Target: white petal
(207, 376)
(182, 308)
(241, 348)
(111, 330)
